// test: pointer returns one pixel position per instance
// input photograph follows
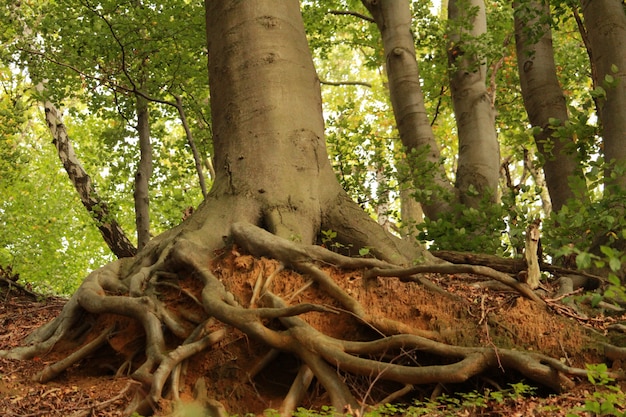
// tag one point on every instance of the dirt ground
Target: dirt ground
(475, 317)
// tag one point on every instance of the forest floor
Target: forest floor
(484, 317)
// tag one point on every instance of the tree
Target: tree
(394, 22)
(110, 229)
(543, 98)
(478, 169)
(139, 65)
(274, 192)
(605, 23)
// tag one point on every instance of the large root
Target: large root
(175, 329)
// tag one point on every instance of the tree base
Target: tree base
(269, 323)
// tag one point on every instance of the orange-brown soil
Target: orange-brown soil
(472, 317)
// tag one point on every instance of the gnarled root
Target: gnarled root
(178, 323)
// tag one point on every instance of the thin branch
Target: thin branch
(192, 144)
(351, 13)
(439, 101)
(344, 83)
(117, 40)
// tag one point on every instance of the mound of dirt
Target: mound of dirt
(248, 377)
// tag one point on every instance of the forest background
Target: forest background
(75, 65)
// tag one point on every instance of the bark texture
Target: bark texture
(543, 96)
(270, 152)
(111, 231)
(479, 152)
(605, 21)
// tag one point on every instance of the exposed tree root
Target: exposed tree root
(119, 290)
(457, 269)
(52, 371)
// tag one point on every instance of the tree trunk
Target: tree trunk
(605, 21)
(478, 168)
(270, 153)
(111, 231)
(192, 144)
(143, 174)
(393, 19)
(543, 97)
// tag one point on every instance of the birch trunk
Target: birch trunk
(111, 231)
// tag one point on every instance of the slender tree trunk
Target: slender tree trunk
(111, 231)
(605, 21)
(479, 153)
(143, 174)
(192, 144)
(393, 19)
(543, 97)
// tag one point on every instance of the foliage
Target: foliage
(155, 55)
(592, 223)
(41, 216)
(607, 399)
(144, 48)
(469, 402)
(492, 228)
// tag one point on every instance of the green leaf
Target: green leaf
(595, 299)
(614, 280)
(552, 121)
(598, 92)
(615, 264)
(583, 260)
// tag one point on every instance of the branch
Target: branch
(342, 83)
(117, 40)
(351, 13)
(439, 101)
(192, 144)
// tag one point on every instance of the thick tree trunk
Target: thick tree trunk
(143, 174)
(268, 129)
(479, 153)
(605, 21)
(393, 19)
(543, 97)
(265, 104)
(111, 231)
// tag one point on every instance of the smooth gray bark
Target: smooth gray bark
(543, 96)
(143, 173)
(605, 21)
(479, 152)
(393, 19)
(270, 153)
